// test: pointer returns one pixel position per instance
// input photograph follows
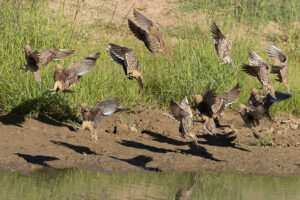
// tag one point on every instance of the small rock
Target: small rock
(294, 126)
(133, 129)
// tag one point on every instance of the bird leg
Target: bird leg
(255, 133)
(84, 125)
(54, 88)
(94, 136)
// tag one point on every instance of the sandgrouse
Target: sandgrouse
(93, 116)
(280, 65)
(37, 59)
(127, 58)
(260, 69)
(183, 113)
(258, 105)
(65, 78)
(147, 31)
(222, 45)
(210, 105)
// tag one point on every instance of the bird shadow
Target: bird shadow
(139, 161)
(50, 109)
(138, 145)
(194, 150)
(221, 140)
(161, 138)
(38, 160)
(76, 148)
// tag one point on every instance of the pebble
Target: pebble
(294, 126)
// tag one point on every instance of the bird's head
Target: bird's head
(242, 107)
(58, 66)
(83, 106)
(253, 90)
(198, 98)
(27, 48)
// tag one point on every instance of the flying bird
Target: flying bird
(183, 113)
(65, 78)
(36, 59)
(258, 106)
(279, 66)
(147, 31)
(127, 58)
(260, 69)
(93, 116)
(222, 45)
(211, 105)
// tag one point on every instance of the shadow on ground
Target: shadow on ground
(221, 140)
(139, 161)
(76, 148)
(50, 109)
(193, 150)
(38, 160)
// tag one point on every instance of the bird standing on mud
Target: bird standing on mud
(211, 105)
(150, 33)
(258, 106)
(127, 58)
(280, 65)
(260, 69)
(36, 59)
(65, 78)
(222, 45)
(183, 113)
(93, 116)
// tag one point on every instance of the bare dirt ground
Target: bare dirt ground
(149, 140)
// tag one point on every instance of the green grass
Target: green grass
(196, 65)
(80, 184)
(265, 139)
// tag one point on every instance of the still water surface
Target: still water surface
(82, 184)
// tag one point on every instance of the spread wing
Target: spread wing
(142, 20)
(78, 69)
(210, 97)
(118, 54)
(217, 35)
(251, 70)
(177, 110)
(256, 60)
(105, 108)
(47, 55)
(230, 96)
(276, 55)
(137, 31)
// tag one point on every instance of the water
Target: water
(81, 184)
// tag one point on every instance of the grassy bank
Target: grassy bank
(249, 24)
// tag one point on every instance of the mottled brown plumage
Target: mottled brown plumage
(37, 59)
(65, 78)
(211, 105)
(145, 30)
(127, 58)
(260, 69)
(258, 105)
(93, 116)
(183, 113)
(222, 45)
(280, 65)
